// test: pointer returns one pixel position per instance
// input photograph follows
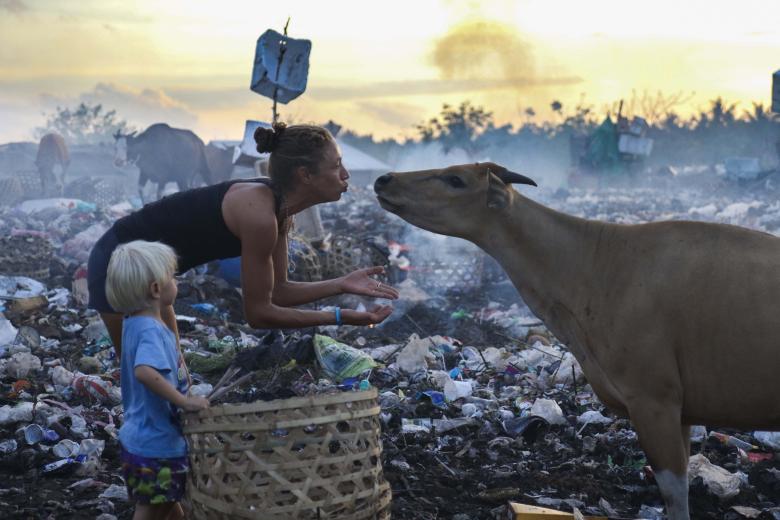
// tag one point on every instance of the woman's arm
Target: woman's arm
(258, 271)
(289, 293)
(249, 215)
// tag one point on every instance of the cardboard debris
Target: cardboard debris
(517, 511)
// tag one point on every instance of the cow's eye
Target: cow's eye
(455, 181)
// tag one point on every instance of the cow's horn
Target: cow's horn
(515, 178)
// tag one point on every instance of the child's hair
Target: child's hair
(133, 267)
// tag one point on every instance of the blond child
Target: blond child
(139, 283)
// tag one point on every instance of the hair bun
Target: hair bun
(268, 138)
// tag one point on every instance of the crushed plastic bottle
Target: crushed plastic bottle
(63, 465)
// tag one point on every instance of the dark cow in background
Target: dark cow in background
(162, 155)
(220, 160)
(52, 152)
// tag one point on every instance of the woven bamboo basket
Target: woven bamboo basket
(347, 254)
(304, 261)
(316, 457)
(25, 255)
(458, 274)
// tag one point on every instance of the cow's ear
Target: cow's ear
(497, 192)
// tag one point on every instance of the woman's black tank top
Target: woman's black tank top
(190, 222)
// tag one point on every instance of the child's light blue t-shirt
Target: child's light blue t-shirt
(151, 426)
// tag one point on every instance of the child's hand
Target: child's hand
(194, 403)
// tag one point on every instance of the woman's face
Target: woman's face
(331, 179)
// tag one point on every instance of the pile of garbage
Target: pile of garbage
(481, 405)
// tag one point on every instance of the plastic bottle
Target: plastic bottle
(732, 441)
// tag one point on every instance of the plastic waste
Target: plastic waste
(698, 433)
(389, 400)
(454, 390)
(568, 370)
(115, 492)
(66, 448)
(341, 361)
(496, 358)
(22, 412)
(36, 205)
(549, 410)
(650, 513)
(416, 425)
(719, 481)
(34, 433)
(63, 465)
(769, 439)
(202, 390)
(207, 308)
(593, 417)
(78, 426)
(94, 387)
(529, 427)
(8, 446)
(732, 441)
(437, 398)
(470, 410)
(445, 425)
(92, 447)
(20, 287)
(21, 364)
(7, 331)
(414, 356)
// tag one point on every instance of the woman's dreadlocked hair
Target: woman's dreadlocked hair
(291, 147)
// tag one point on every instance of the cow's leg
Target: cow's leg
(661, 436)
(686, 438)
(142, 180)
(160, 188)
(64, 169)
(42, 176)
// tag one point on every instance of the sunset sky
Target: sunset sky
(377, 67)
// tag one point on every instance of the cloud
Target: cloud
(14, 6)
(18, 121)
(139, 107)
(436, 86)
(396, 114)
(215, 98)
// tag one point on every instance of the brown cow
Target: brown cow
(674, 323)
(52, 151)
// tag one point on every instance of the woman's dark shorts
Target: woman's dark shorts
(154, 481)
(97, 269)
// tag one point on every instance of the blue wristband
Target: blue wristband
(338, 316)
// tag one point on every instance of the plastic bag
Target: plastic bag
(341, 361)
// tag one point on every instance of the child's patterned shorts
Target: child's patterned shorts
(154, 481)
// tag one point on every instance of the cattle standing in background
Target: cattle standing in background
(162, 155)
(220, 161)
(52, 151)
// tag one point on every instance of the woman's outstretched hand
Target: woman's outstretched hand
(360, 282)
(372, 317)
